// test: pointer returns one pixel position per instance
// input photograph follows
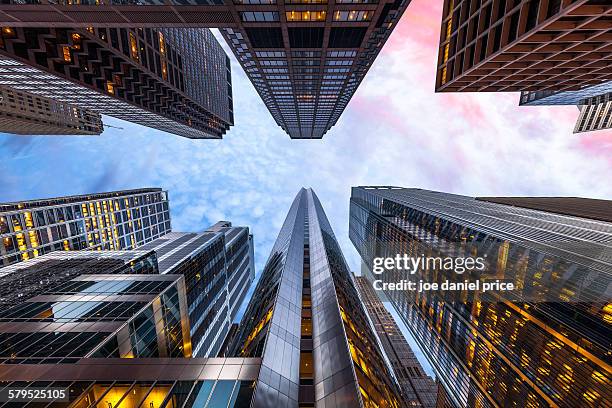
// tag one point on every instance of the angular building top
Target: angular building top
(305, 58)
(24, 113)
(173, 80)
(114, 220)
(548, 350)
(218, 267)
(524, 45)
(306, 322)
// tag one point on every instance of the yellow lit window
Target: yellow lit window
(162, 44)
(66, 53)
(110, 87)
(134, 47)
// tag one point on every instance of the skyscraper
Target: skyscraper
(419, 389)
(103, 329)
(128, 312)
(594, 103)
(523, 45)
(24, 113)
(545, 344)
(307, 324)
(218, 267)
(175, 80)
(594, 117)
(111, 221)
(305, 58)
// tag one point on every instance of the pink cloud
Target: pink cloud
(597, 144)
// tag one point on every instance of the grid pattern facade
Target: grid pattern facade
(107, 221)
(120, 314)
(307, 324)
(305, 58)
(175, 80)
(218, 270)
(594, 117)
(145, 382)
(488, 351)
(524, 45)
(24, 113)
(419, 389)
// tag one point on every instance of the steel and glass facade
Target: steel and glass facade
(23, 113)
(307, 324)
(523, 45)
(174, 80)
(105, 221)
(550, 349)
(419, 389)
(142, 382)
(64, 316)
(110, 330)
(305, 58)
(218, 267)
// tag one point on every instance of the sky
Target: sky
(395, 131)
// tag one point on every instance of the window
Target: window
(353, 15)
(259, 16)
(297, 15)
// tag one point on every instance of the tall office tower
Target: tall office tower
(23, 113)
(218, 267)
(523, 45)
(419, 389)
(543, 344)
(115, 220)
(306, 322)
(175, 80)
(130, 311)
(305, 58)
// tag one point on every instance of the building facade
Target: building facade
(105, 221)
(306, 323)
(107, 329)
(145, 382)
(544, 344)
(419, 389)
(174, 80)
(523, 45)
(131, 312)
(594, 117)
(23, 113)
(305, 58)
(218, 268)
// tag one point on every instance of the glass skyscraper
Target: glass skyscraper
(103, 221)
(305, 58)
(64, 307)
(419, 389)
(547, 343)
(218, 267)
(174, 80)
(307, 324)
(108, 330)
